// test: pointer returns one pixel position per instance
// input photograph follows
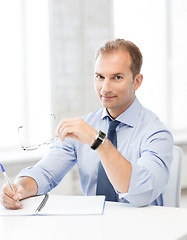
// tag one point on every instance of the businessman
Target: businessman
(122, 151)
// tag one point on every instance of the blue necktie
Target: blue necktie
(104, 187)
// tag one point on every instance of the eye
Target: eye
(99, 77)
(118, 77)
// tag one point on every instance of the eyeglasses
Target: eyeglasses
(36, 146)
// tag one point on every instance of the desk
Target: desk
(118, 222)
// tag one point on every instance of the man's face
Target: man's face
(114, 82)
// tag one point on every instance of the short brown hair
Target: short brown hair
(123, 45)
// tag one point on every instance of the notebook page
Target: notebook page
(29, 207)
(73, 205)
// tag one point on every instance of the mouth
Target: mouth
(107, 98)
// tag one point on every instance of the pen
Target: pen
(6, 177)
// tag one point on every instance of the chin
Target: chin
(108, 106)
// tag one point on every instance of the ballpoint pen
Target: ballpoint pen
(6, 177)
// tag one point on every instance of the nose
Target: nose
(106, 87)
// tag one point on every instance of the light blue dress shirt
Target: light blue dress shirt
(142, 139)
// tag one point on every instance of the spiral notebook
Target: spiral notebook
(58, 205)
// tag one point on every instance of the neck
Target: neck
(114, 113)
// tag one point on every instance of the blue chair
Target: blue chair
(172, 192)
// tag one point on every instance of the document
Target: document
(58, 205)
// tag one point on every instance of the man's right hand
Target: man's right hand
(11, 200)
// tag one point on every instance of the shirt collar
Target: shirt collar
(129, 116)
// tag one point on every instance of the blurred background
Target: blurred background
(47, 50)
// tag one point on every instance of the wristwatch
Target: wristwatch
(99, 139)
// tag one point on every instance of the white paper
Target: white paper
(29, 207)
(59, 205)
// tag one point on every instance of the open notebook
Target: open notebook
(58, 205)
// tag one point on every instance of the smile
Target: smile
(108, 97)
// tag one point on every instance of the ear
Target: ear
(138, 81)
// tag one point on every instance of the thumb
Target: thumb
(19, 193)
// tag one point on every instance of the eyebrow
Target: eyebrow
(114, 74)
(97, 73)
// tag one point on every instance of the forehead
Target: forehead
(113, 62)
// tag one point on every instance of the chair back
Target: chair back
(172, 192)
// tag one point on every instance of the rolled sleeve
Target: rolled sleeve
(151, 171)
(43, 178)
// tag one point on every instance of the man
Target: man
(130, 165)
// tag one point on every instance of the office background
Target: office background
(47, 60)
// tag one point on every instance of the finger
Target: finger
(65, 127)
(8, 191)
(74, 128)
(65, 132)
(60, 128)
(65, 123)
(10, 203)
(17, 194)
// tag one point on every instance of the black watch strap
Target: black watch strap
(100, 138)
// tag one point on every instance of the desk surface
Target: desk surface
(118, 222)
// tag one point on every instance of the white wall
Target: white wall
(77, 28)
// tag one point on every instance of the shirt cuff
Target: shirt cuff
(34, 173)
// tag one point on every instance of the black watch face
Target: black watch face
(102, 135)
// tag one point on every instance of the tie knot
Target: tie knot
(113, 124)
